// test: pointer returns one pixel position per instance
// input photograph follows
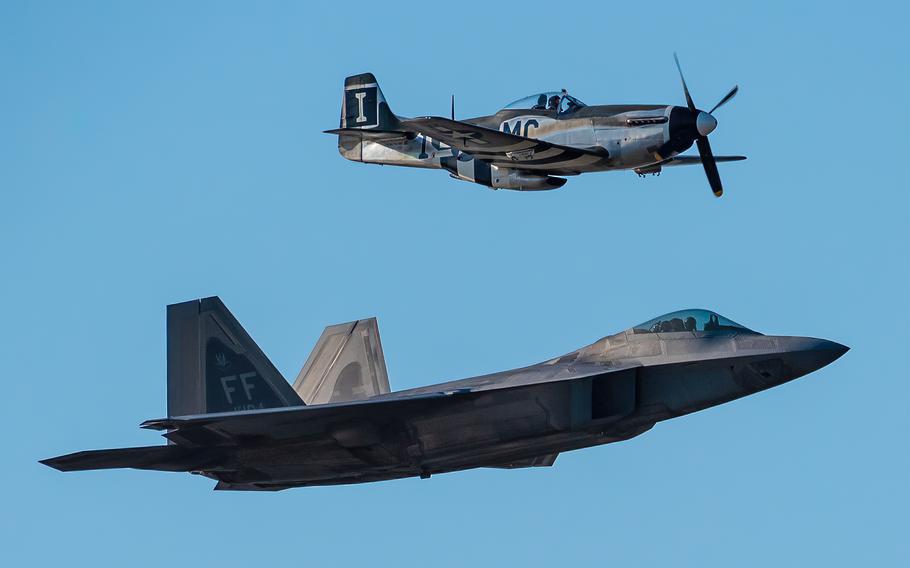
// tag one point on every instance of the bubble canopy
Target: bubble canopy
(550, 100)
(691, 320)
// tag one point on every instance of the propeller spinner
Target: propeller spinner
(705, 123)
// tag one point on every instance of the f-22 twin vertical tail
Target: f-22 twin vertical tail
(232, 417)
(533, 143)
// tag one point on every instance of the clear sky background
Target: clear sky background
(156, 152)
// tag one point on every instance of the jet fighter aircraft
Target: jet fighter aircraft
(232, 417)
(532, 143)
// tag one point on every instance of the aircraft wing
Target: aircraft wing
(358, 419)
(689, 160)
(290, 421)
(503, 148)
(351, 432)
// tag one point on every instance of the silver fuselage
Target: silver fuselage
(605, 127)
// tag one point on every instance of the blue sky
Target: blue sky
(155, 152)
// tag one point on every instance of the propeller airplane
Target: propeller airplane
(532, 143)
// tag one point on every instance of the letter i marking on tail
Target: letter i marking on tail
(360, 96)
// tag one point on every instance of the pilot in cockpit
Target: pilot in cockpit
(553, 103)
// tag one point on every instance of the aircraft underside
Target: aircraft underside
(305, 464)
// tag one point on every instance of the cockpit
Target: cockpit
(691, 321)
(559, 101)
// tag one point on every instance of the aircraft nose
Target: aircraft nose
(705, 123)
(836, 349)
(828, 351)
(808, 354)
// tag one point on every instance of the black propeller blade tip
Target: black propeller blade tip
(707, 160)
(726, 99)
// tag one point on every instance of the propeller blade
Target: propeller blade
(726, 99)
(453, 106)
(707, 160)
(689, 102)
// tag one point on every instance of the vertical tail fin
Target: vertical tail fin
(364, 106)
(346, 364)
(214, 366)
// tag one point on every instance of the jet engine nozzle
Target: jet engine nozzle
(705, 123)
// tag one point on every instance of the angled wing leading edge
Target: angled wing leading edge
(691, 160)
(503, 149)
(354, 419)
(162, 458)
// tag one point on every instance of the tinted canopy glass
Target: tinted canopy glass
(690, 320)
(570, 104)
(550, 100)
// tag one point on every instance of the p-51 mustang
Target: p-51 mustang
(530, 143)
(232, 417)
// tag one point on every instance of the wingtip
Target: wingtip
(51, 462)
(64, 463)
(156, 424)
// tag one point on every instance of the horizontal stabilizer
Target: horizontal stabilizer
(162, 458)
(374, 135)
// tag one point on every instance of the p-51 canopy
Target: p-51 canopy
(559, 101)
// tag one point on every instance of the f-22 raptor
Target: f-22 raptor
(532, 143)
(232, 417)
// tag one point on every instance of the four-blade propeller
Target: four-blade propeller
(705, 123)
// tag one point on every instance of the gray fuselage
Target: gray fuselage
(625, 384)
